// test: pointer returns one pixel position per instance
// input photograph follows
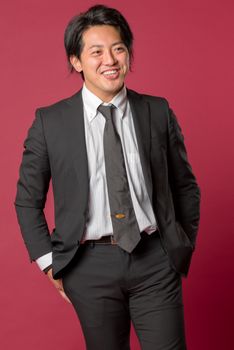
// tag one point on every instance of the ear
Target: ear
(75, 62)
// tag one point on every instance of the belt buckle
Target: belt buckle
(113, 241)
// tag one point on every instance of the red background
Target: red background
(184, 52)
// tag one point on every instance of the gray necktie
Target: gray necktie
(125, 226)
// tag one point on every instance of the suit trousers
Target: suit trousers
(109, 288)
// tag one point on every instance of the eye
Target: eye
(120, 49)
(96, 52)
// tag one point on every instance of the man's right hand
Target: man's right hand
(58, 285)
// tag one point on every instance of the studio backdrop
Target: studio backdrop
(184, 52)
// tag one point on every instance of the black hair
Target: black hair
(95, 15)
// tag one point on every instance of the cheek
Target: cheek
(126, 67)
(91, 66)
(126, 63)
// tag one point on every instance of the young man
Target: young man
(126, 200)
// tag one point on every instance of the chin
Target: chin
(115, 85)
(114, 91)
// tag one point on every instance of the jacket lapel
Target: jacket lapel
(141, 119)
(77, 144)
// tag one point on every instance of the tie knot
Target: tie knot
(106, 110)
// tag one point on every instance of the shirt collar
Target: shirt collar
(92, 102)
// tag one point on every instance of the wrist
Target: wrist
(47, 269)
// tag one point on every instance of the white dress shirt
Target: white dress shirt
(99, 219)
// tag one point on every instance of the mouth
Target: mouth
(111, 73)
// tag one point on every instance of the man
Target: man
(126, 200)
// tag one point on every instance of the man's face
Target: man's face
(104, 61)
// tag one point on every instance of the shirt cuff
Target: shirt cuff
(47, 269)
(44, 261)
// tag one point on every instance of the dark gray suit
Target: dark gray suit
(55, 149)
(107, 286)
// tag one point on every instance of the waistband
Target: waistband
(110, 239)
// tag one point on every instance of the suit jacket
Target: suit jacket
(55, 148)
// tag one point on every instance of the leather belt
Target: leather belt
(107, 239)
(103, 240)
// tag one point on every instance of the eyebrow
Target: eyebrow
(96, 45)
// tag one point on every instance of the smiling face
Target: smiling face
(104, 61)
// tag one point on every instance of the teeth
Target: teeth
(109, 72)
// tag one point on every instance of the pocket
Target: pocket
(183, 237)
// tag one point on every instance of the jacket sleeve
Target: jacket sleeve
(32, 188)
(184, 187)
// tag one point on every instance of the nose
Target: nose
(109, 58)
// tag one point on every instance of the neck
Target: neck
(105, 97)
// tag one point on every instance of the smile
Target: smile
(110, 72)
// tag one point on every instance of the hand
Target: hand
(58, 285)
